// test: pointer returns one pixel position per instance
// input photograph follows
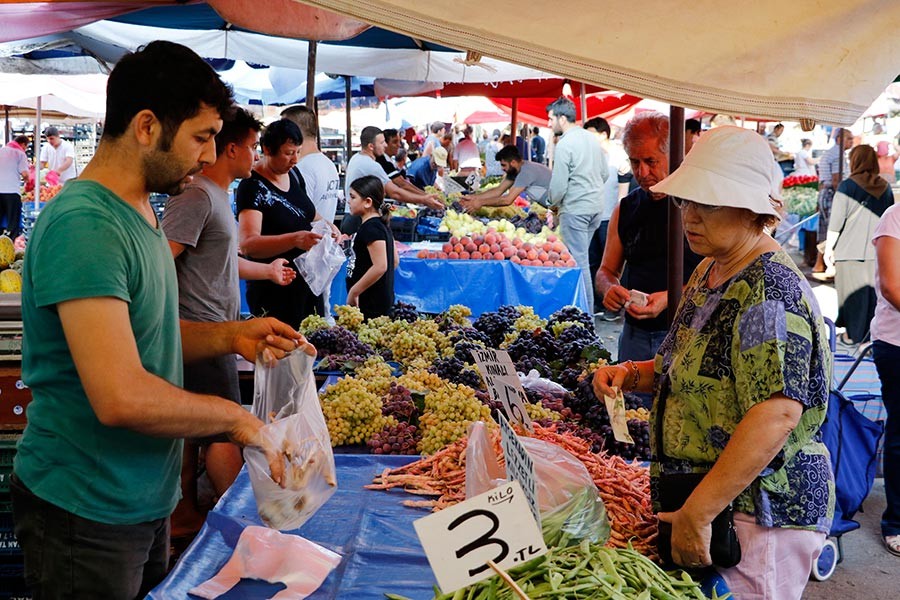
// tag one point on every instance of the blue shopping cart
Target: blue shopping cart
(852, 431)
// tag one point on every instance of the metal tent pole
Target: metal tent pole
(348, 96)
(37, 155)
(584, 116)
(675, 278)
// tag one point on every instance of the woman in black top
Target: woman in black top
(275, 218)
(370, 271)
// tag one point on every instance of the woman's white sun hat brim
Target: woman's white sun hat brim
(728, 166)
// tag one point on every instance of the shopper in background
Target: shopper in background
(199, 225)
(886, 348)
(887, 156)
(829, 178)
(692, 131)
(386, 160)
(466, 154)
(636, 244)
(538, 146)
(275, 217)
(96, 471)
(58, 155)
(320, 176)
(13, 172)
(423, 172)
(856, 208)
(576, 186)
(491, 164)
(741, 381)
(613, 191)
(370, 269)
(433, 140)
(804, 163)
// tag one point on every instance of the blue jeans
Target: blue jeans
(638, 344)
(67, 556)
(887, 357)
(576, 232)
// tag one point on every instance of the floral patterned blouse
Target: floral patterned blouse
(730, 348)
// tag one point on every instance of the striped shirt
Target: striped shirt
(830, 163)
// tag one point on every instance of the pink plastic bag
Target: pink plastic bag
(276, 558)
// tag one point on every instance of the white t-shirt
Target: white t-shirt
(54, 157)
(12, 163)
(323, 185)
(886, 324)
(360, 166)
(615, 158)
(467, 155)
(801, 166)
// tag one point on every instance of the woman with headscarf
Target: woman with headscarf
(740, 382)
(858, 204)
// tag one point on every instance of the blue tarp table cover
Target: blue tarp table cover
(372, 530)
(482, 285)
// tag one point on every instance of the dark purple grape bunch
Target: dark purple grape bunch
(495, 326)
(402, 311)
(525, 364)
(395, 439)
(571, 313)
(454, 370)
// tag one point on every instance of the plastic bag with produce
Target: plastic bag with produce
(285, 397)
(319, 265)
(571, 508)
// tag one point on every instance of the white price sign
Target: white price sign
(494, 526)
(519, 466)
(502, 381)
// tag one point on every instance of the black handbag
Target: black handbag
(672, 492)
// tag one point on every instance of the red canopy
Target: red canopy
(534, 110)
(486, 116)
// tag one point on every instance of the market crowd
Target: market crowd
(129, 348)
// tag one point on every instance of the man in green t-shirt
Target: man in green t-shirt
(96, 472)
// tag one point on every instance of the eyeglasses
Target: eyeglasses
(683, 204)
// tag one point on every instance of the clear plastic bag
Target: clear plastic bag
(285, 397)
(319, 265)
(276, 558)
(571, 508)
(533, 381)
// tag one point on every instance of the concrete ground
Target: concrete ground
(868, 570)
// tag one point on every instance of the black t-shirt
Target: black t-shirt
(389, 167)
(643, 231)
(378, 299)
(282, 212)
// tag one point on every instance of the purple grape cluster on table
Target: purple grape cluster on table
(526, 363)
(571, 313)
(404, 312)
(539, 343)
(495, 326)
(454, 370)
(395, 439)
(340, 341)
(399, 403)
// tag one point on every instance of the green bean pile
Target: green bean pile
(585, 572)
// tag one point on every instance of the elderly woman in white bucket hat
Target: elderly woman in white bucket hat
(741, 381)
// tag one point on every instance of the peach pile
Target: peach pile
(496, 246)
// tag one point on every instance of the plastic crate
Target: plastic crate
(403, 229)
(8, 449)
(440, 236)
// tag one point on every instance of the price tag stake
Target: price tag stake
(493, 527)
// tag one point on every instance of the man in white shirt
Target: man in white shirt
(58, 155)
(466, 153)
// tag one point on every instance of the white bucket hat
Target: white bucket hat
(439, 155)
(728, 166)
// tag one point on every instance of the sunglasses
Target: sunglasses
(683, 204)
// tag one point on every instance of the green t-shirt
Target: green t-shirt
(90, 243)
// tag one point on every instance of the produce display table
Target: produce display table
(372, 530)
(482, 285)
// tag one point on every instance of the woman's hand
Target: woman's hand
(352, 298)
(306, 239)
(608, 379)
(690, 539)
(280, 272)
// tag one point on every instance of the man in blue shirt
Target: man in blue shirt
(538, 146)
(424, 170)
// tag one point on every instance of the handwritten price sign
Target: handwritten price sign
(502, 381)
(494, 526)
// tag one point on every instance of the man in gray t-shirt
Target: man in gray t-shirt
(523, 177)
(202, 233)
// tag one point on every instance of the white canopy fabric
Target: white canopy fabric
(419, 65)
(75, 95)
(770, 59)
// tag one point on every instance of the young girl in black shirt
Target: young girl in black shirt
(370, 270)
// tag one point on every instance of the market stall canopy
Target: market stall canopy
(825, 61)
(373, 53)
(485, 116)
(279, 85)
(77, 95)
